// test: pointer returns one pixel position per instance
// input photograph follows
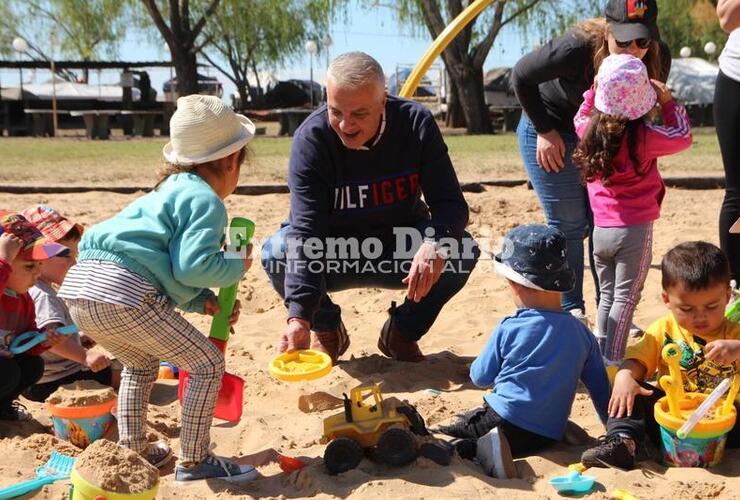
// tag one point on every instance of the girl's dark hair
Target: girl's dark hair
(167, 169)
(595, 152)
(695, 265)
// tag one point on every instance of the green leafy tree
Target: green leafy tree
(466, 54)
(690, 23)
(248, 35)
(84, 29)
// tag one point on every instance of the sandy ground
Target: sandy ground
(272, 418)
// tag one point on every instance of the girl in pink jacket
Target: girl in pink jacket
(618, 150)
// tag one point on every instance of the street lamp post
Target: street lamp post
(312, 48)
(52, 43)
(326, 41)
(685, 52)
(20, 46)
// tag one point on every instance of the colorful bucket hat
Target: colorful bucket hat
(534, 255)
(623, 87)
(35, 245)
(50, 222)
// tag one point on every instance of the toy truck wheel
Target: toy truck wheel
(397, 446)
(342, 454)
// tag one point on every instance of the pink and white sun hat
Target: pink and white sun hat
(204, 129)
(623, 87)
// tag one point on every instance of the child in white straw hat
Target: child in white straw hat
(164, 251)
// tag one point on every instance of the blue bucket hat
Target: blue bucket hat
(534, 255)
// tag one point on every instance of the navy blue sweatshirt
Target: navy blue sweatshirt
(341, 192)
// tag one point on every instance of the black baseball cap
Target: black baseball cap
(633, 19)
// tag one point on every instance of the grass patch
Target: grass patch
(122, 161)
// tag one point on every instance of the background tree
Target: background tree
(246, 36)
(465, 56)
(183, 34)
(85, 29)
(690, 23)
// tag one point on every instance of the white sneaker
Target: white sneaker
(635, 331)
(581, 316)
(494, 455)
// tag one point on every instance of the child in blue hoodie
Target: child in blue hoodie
(164, 251)
(534, 358)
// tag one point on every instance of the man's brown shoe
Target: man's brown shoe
(333, 343)
(394, 345)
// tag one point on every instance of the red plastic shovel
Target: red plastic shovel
(230, 397)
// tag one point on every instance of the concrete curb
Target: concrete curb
(468, 187)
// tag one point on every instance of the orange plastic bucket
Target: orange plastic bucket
(82, 425)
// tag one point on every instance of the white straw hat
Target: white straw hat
(204, 129)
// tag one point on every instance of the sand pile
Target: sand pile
(115, 468)
(82, 393)
(43, 444)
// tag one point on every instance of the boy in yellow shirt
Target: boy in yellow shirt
(695, 280)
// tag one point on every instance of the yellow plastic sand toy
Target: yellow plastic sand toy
(702, 443)
(301, 365)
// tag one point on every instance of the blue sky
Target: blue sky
(375, 32)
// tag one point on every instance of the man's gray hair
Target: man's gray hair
(355, 69)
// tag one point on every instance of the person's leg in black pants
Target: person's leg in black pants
(40, 392)
(16, 374)
(639, 427)
(727, 123)
(477, 423)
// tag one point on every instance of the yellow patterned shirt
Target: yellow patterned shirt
(699, 374)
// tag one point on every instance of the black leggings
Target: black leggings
(727, 123)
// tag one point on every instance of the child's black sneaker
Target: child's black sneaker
(617, 451)
(15, 412)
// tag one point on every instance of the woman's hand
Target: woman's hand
(550, 151)
(623, 394)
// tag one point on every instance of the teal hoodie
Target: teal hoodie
(172, 237)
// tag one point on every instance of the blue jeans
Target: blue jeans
(412, 319)
(565, 202)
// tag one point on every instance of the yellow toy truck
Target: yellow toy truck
(370, 426)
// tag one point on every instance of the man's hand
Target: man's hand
(550, 151)
(297, 335)
(426, 267)
(96, 361)
(10, 245)
(623, 394)
(53, 338)
(723, 352)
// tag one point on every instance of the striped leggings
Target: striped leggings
(139, 337)
(622, 256)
